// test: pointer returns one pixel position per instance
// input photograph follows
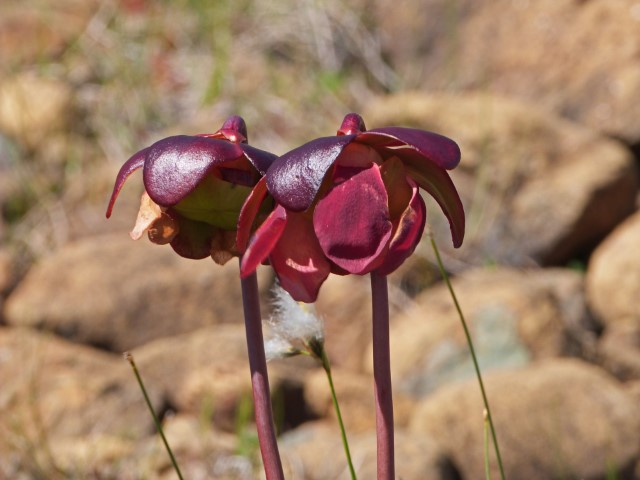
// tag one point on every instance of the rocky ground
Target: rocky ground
(542, 98)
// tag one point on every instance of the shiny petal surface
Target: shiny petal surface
(130, 166)
(407, 235)
(438, 184)
(260, 159)
(352, 220)
(174, 166)
(441, 150)
(295, 178)
(263, 241)
(298, 259)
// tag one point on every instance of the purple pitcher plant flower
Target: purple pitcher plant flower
(194, 189)
(349, 204)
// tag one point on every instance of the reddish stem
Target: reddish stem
(260, 379)
(382, 376)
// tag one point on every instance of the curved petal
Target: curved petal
(175, 165)
(298, 259)
(438, 184)
(439, 149)
(130, 166)
(352, 220)
(193, 239)
(249, 212)
(407, 235)
(399, 190)
(295, 178)
(263, 241)
(260, 159)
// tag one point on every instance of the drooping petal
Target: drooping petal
(407, 234)
(298, 260)
(174, 166)
(441, 150)
(193, 239)
(352, 220)
(295, 178)
(149, 212)
(130, 166)
(263, 241)
(438, 184)
(249, 212)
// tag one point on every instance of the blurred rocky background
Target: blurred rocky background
(542, 96)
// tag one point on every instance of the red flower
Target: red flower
(349, 204)
(194, 189)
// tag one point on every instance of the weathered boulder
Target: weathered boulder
(115, 293)
(557, 419)
(613, 286)
(514, 317)
(315, 452)
(55, 392)
(206, 372)
(356, 398)
(536, 188)
(613, 281)
(576, 58)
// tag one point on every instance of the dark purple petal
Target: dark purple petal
(441, 150)
(174, 166)
(263, 241)
(352, 220)
(407, 235)
(130, 166)
(193, 239)
(295, 178)
(260, 159)
(298, 260)
(438, 184)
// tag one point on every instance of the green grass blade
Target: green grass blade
(445, 276)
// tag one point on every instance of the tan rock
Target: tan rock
(116, 293)
(538, 55)
(561, 418)
(56, 394)
(206, 372)
(613, 282)
(356, 399)
(514, 317)
(619, 349)
(315, 452)
(536, 189)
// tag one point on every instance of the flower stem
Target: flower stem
(260, 379)
(445, 276)
(129, 358)
(382, 376)
(327, 368)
